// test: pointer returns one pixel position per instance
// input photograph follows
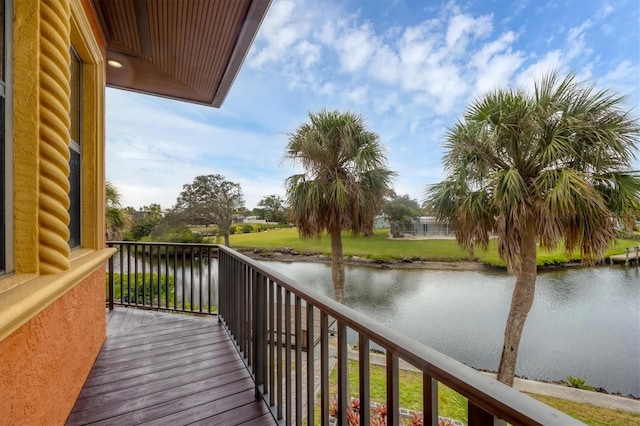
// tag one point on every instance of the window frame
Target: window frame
(6, 183)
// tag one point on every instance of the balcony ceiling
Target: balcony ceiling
(189, 50)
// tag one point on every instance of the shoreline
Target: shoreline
(290, 255)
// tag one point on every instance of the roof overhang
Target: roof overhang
(190, 50)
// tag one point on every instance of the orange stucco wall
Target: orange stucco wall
(44, 364)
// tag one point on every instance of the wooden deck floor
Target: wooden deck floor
(167, 369)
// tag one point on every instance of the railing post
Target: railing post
(111, 291)
(627, 258)
(477, 416)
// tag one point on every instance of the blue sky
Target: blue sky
(409, 67)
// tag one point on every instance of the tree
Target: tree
(272, 208)
(548, 167)
(343, 183)
(401, 211)
(208, 200)
(145, 220)
(117, 219)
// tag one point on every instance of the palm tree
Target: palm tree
(548, 167)
(117, 219)
(343, 183)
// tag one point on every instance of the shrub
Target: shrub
(579, 382)
(136, 288)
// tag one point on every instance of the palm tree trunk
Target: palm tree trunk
(337, 266)
(521, 303)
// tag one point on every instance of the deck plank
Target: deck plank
(159, 368)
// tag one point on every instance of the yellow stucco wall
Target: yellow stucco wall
(52, 311)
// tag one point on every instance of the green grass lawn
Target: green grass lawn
(379, 247)
(453, 405)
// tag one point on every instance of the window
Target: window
(6, 159)
(75, 147)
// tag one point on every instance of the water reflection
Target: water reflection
(585, 322)
(190, 281)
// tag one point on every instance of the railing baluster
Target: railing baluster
(259, 325)
(246, 314)
(310, 366)
(287, 353)
(184, 276)
(241, 291)
(111, 295)
(393, 405)
(175, 279)
(279, 319)
(136, 287)
(144, 277)
(429, 400)
(128, 274)
(151, 280)
(200, 260)
(159, 277)
(192, 301)
(344, 397)
(209, 278)
(167, 294)
(324, 368)
(272, 344)
(263, 349)
(298, 361)
(363, 374)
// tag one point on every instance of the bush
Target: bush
(177, 235)
(579, 382)
(136, 288)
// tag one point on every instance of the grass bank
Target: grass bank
(379, 248)
(453, 405)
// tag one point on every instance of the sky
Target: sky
(408, 67)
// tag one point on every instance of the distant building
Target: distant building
(254, 219)
(380, 222)
(427, 226)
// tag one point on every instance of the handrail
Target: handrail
(148, 279)
(252, 300)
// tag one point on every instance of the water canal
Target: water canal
(585, 322)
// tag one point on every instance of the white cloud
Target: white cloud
(461, 27)
(308, 52)
(279, 32)
(576, 43)
(357, 95)
(356, 48)
(496, 63)
(605, 10)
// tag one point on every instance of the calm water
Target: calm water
(585, 322)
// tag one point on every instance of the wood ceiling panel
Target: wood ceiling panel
(198, 45)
